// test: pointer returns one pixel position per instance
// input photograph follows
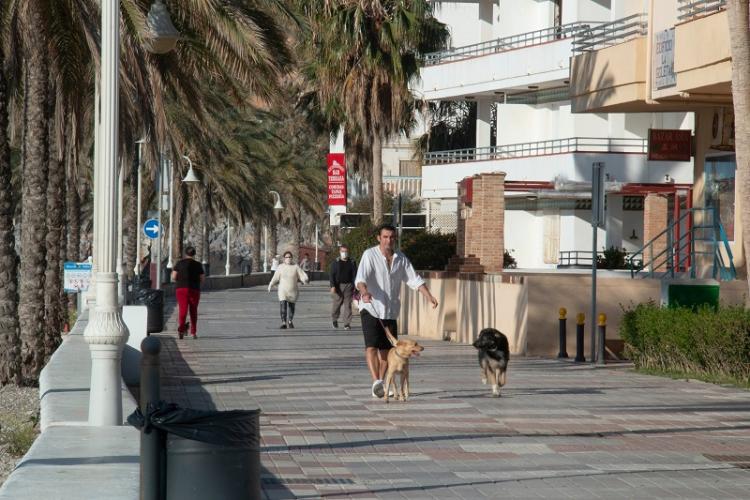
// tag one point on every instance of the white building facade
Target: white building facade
(514, 55)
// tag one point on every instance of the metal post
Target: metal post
(152, 440)
(122, 283)
(580, 325)
(602, 330)
(137, 268)
(563, 333)
(170, 187)
(159, 189)
(317, 231)
(265, 248)
(229, 229)
(597, 219)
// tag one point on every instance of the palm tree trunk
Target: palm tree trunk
(273, 237)
(296, 222)
(53, 313)
(130, 217)
(182, 206)
(257, 239)
(34, 191)
(206, 232)
(739, 35)
(10, 340)
(377, 179)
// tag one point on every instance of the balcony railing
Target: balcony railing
(528, 39)
(400, 184)
(539, 148)
(691, 9)
(614, 33)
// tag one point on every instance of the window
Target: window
(632, 203)
(720, 178)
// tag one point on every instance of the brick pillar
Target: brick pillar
(480, 231)
(655, 219)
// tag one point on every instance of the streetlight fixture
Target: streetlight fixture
(190, 176)
(106, 331)
(277, 207)
(160, 35)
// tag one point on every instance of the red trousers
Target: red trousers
(187, 299)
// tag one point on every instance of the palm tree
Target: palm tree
(738, 12)
(10, 341)
(365, 54)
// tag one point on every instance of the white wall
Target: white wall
(625, 8)
(462, 20)
(524, 238)
(513, 17)
(586, 10)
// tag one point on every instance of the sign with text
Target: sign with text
(76, 276)
(664, 75)
(669, 145)
(336, 179)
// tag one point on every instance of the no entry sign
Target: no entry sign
(336, 179)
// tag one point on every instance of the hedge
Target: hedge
(710, 344)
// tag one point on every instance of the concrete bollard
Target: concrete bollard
(601, 338)
(563, 333)
(580, 324)
(152, 440)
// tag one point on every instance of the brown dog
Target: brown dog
(398, 362)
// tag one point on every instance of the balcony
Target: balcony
(608, 70)
(406, 185)
(569, 158)
(537, 59)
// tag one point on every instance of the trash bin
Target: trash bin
(154, 302)
(210, 454)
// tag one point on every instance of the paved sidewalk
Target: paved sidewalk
(559, 431)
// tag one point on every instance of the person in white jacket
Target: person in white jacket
(288, 276)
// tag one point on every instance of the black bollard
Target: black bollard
(152, 440)
(563, 334)
(602, 335)
(580, 322)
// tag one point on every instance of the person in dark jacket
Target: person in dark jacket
(343, 272)
(188, 276)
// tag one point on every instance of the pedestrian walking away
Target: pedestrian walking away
(381, 272)
(275, 263)
(288, 275)
(305, 263)
(188, 276)
(343, 272)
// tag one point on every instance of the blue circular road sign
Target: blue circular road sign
(151, 228)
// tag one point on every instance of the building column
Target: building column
(655, 219)
(484, 122)
(486, 20)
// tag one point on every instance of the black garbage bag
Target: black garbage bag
(226, 428)
(154, 302)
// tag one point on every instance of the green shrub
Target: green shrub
(705, 343)
(613, 258)
(428, 251)
(18, 435)
(509, 262)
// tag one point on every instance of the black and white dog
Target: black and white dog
(494, 355)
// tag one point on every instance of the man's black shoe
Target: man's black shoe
(335, 324)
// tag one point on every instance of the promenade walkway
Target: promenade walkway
(559, 431)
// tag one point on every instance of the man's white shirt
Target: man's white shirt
(385, 285)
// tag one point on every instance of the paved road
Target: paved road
(559, 431)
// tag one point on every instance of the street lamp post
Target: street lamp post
(170, 264)
(122, 281)
(229, 229)
(277, 207)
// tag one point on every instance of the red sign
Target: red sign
(336, 179)
(669, 145)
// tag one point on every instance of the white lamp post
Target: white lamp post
(170, 264)
(119, 266)
(277, 207)
(106, 332)
(229, 229)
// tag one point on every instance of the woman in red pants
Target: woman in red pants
(188, 276)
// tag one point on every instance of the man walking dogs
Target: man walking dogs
(379, 277)
(343, 272)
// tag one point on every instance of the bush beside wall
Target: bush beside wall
(713, 345)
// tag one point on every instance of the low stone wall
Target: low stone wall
(525, 305)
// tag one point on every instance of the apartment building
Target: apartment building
(512, 59)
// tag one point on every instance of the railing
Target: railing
(504, 44)
(408, 221)
(680, 254)
(583, 258)
(691, 9)
(539, 148)
(397, 184)
(616, 32)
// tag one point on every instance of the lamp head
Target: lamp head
(160, 36)
(278, 207)
(191, 177)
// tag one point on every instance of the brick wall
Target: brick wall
(481, 224)
(655, 218)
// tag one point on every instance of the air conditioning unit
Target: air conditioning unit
(722, 129)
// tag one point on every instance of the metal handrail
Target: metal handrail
(691, 9)
(539, 148)
(504, 44)
(616, 32)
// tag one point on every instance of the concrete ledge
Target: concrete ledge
(78, 462)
